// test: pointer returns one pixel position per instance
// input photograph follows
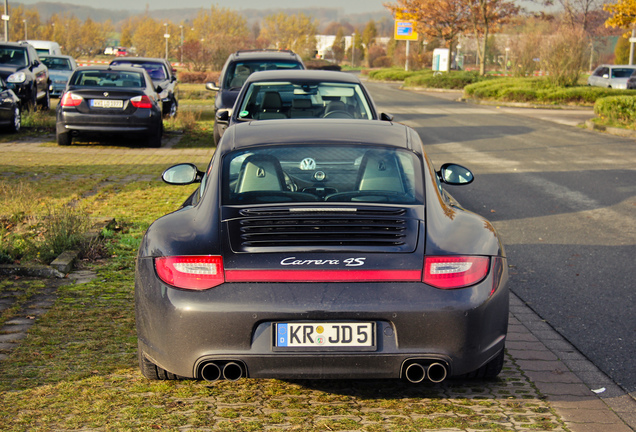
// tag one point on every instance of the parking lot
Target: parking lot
(539, 389)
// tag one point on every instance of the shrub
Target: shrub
(563, 56)
(64, 228)
(452, 80)
(392, 74)
(539, 90)
(382, 62)
(198, 77)
(617, 109)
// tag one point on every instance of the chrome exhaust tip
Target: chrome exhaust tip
(437, 372)
(232, 371)
(211, 372)
(415, 373)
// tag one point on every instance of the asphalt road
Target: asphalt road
(564, 202)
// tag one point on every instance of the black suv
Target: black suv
(162, 74)
(25, 74)
(237, 68)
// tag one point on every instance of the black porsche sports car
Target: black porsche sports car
(321, 249)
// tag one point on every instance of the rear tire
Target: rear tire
(172, 112)
(45, 103)
(153, 372)
(16, 120)
(217, 133)
(64, 139)
(490, 370)
(154, 140)
(32, 104)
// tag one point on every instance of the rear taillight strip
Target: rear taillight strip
(322, 275)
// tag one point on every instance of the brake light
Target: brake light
(141, 102)
(71, 99)
(197, 272)
(450, 272)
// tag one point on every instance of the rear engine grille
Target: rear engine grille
(313, 231)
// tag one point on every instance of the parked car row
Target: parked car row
(320, 244)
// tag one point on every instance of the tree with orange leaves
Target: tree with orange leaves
(623, 14)
(485, 16)
(447, 19)
(436, 19)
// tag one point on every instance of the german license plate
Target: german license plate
(359, 336)
(107, 103)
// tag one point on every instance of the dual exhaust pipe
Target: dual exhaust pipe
(417, 372)
(231, 371)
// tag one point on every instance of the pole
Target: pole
(353, 50)
(181, 44)
(631, 48)
(166, 36)
(6, 21)
(25, 29)
(408, 46)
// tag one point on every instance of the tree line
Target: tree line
(496, 32)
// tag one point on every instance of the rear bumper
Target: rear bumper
(181, 331)
(141, 122)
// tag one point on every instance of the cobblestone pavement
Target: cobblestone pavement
(546, 383)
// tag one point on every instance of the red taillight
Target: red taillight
(197, 272)
(141, 102)
(449, 272)
(71, 100)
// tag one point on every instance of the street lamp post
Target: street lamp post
(167, 36)
(25, 29)
(353, 50)
(181, 27)
(5, 18)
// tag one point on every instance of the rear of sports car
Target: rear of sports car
(318, 262)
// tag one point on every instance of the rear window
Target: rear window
(107, 78)
(238, 72)
(365, 174)
(57, 63)
(156, 71)
(272, 100)
(622, 72)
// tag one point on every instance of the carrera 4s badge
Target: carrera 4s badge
(348, 262)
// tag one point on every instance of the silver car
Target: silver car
(611, 76)
(61, 68)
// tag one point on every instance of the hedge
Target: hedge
(619, 110)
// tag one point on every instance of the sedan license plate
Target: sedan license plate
(319, 336)
(107, 103)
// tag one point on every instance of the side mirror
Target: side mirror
(386, 117)
(455, 175)
(182, 174)
(211, 86)
(606, 76)
(174, 77)
(36, 63)
(159, 89)
(223, 115)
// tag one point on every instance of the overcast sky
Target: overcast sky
(349, 6)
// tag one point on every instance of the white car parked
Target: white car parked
(611, 76)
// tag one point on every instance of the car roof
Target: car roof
(56, 56)
(113, 68)
(264, 54)
(315, 131)
(139, 60)
(305, 75)
(618, 66)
